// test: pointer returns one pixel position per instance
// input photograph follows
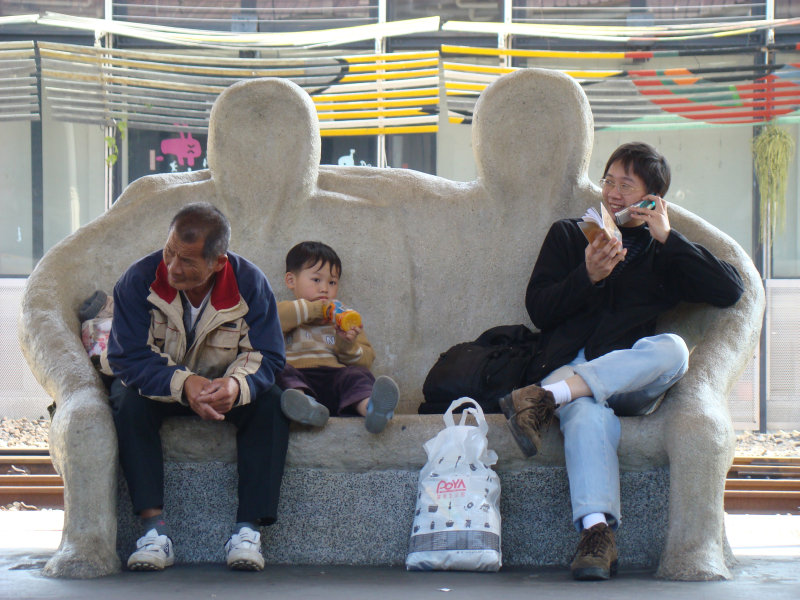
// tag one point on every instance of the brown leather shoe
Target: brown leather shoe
(596, 556)
(528, 411)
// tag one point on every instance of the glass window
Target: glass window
(257, 15)
(451, 10)
(416, 152)
(76, 8)
(41, 209)
(786, 242)
(73, 167)
(349, 151)
(151, 152)
(16, 226)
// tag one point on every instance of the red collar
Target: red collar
(225, 293)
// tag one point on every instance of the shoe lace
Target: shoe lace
(148, 541)
(245, 539)
(595, 542)
(538, 413)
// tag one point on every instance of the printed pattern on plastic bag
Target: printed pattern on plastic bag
(457, 518)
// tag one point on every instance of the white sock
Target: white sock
(560, 391)
(593, 519)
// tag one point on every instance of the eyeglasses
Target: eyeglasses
(623, 188)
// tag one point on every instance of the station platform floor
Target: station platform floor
(767, 548)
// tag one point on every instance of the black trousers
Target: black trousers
(262, 436)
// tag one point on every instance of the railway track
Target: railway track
(754, 485)
(28, 476)
(763, 485)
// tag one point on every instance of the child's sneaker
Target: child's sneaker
(302, 408)
(243, 551)
(382, 403)
(153, 553)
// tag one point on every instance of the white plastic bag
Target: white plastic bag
(457, 519)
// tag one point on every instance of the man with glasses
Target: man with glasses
(596, 305)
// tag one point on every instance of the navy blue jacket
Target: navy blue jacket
(238, 334)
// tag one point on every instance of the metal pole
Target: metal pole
(37, 171)
(380, 48)
(765, 247)
(108, 132)
(504, 39)
(769, 8)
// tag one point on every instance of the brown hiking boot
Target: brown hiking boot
(528, 411)
(596, 556)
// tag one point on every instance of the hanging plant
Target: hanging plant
(111, 142)
(772, 153)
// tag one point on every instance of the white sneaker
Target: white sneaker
(153, 553)
(243, 551)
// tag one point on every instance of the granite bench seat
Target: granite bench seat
(348, 497)
(429, 262)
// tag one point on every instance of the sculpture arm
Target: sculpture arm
(698, 274)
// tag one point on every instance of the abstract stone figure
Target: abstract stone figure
(435, 262)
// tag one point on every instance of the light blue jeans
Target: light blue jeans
(624, 383)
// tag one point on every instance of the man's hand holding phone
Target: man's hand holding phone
(626, 214)
(656, 218)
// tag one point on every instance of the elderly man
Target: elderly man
(196, 332)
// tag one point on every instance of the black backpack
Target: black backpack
(485, 369)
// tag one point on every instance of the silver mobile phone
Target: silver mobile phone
(624, 215)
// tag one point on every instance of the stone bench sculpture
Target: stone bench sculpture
(429, 262)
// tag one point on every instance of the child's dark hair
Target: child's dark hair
(646, 162)
(308, 254)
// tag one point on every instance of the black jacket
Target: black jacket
(572, 313)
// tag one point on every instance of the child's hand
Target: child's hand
(350, 335)
(327, 314)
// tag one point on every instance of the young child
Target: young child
(327, 368)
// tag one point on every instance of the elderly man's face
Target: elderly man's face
(187, 270)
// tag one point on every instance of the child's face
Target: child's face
(314, 283)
